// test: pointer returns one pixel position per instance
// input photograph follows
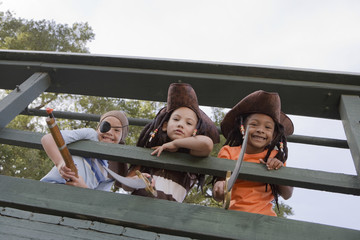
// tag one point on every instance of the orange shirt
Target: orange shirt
(249, 196)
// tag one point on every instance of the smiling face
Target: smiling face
(115, 132)
(261, 132)
(181, 124)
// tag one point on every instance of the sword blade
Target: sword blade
(237, 168)
(135, 183)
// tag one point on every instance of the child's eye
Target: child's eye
(189, 123)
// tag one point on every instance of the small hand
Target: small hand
(218, 190)
(170, 147)
(272, 163)
(151, 179)
(64, 171)
(76, 181)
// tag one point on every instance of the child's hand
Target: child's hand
(76, 181)
(272, 163)
(148, 176)
(170, 147)
(218, 191)
(64, 171)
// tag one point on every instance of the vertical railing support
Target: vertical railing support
(350, 116)
(22, 96)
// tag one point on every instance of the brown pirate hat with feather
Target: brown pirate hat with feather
(258, 102)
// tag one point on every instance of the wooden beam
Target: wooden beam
(157, 215)
(22, 96)
(350, 115)
(304, 178)
(228, 82)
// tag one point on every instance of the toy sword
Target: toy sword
(230, 180)
(59, 140)
(141, 182)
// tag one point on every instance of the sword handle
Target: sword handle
(148, 188)
(227, 194)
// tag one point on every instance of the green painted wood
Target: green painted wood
(22, 96)
(318, 180)
(17, 223)
(350, 115)
(17, 228)
(157, 215)
(71, 72)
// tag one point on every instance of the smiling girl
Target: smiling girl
(268, 128)
(91, 172)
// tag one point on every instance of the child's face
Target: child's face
(115, 132)
(181, 124)
(261, 132)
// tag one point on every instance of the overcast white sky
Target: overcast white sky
(311, 34)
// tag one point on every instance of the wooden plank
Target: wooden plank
(72, 72)
(22, 96)
(157, 215)
(29, 229)
(350, 115)
(318, 180)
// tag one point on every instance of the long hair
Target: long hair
(235, 138)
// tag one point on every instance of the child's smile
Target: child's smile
(261, 132)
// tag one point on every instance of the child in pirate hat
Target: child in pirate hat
(181, 126)
(268, 128)
(91, 172)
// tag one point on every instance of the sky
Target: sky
(306, 34)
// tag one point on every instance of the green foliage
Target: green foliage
(44, 35)
(284, 210)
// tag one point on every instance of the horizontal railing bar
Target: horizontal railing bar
(304, 178)
(173, 218)
(327, 142)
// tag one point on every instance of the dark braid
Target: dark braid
(160, 137)
(235, 139)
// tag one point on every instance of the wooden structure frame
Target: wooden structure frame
(331, 95)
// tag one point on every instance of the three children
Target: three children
(182, 127)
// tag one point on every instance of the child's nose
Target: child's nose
(260, 129)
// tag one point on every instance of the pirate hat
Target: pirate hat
(258, 102)
(183, 95)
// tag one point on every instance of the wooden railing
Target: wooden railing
(328, 95)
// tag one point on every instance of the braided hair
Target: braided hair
(235, 138)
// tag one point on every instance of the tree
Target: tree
(44, 35)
